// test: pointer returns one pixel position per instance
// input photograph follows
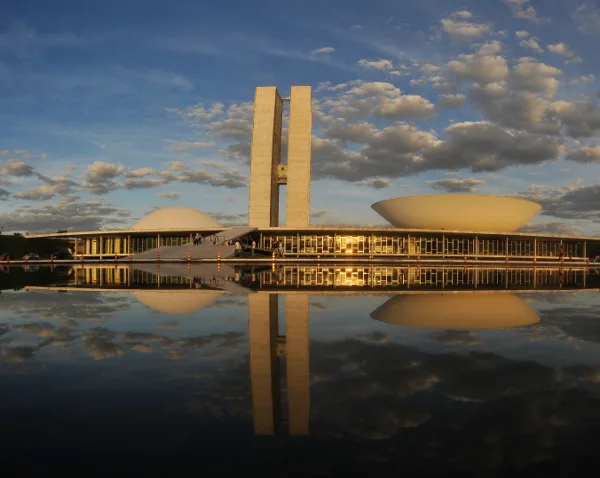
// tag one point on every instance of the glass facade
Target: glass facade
(442, 246)
(357, 244)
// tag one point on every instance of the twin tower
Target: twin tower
(267, 172)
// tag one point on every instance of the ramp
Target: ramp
(207, 250)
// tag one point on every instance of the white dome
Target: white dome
(458, 212)
(177, 217)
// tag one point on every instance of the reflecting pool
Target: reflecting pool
(299, 370)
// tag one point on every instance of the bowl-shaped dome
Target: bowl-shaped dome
(458, 212)
(481, 310)
(178, 217)
(177, 302)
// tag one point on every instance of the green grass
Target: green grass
(19, 246)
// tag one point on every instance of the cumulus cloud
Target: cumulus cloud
(199, 112)
(142, 183)
(455, 185)
(560, 228)
(560, 49)
(461, 30)
(482, 146)
(376, 183)
(99, 177)
(15, 167)
(229, 179)
(573, 202)
(69, 213)
(585, 154)
(533, 44)
(532, 75)
(4, 194)
(580, 119)
(322, 51)
(181, 146)
(522, 9)
(583, 80)
(139, 173)
(41, 193)
(451, 102)
(380, 64)
(176, 165)
(379, 99)
(483, 67)
(169, 195)
(520, 34)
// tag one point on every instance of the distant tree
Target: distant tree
(18, 234)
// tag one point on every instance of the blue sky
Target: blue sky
(110, 109)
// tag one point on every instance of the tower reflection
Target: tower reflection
(266, 349)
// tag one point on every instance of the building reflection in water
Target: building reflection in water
(463, 311)
(266, 348)
(281, 277)
(279, 364)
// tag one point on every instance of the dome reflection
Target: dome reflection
(457, 311)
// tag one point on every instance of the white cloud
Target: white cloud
(181, 146)
(582, 80)
(483, 146)
(521, 34)
(451, 102)
(139, 173)
(176, 165)
(531, 75)
(41, 193)
(99, 177)
(455, 185)
(169, 195)
(585, 154)
(199, 112)
(380, 64)
(466, 14)
(560, 49)
(322, 51)
(533, 44)
(376, 183)
(480, 67)
(406, 106)
(15, 167)
(522, 9)
(464, 31)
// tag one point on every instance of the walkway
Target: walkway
(206, 250)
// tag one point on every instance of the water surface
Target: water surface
(268, 372)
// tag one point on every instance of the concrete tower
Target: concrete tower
(266, 171)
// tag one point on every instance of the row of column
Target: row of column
(100, 246)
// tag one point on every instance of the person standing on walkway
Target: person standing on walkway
(238, 247)
(196, 239)
(253, 246)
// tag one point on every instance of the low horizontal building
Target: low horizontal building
(445, 226)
